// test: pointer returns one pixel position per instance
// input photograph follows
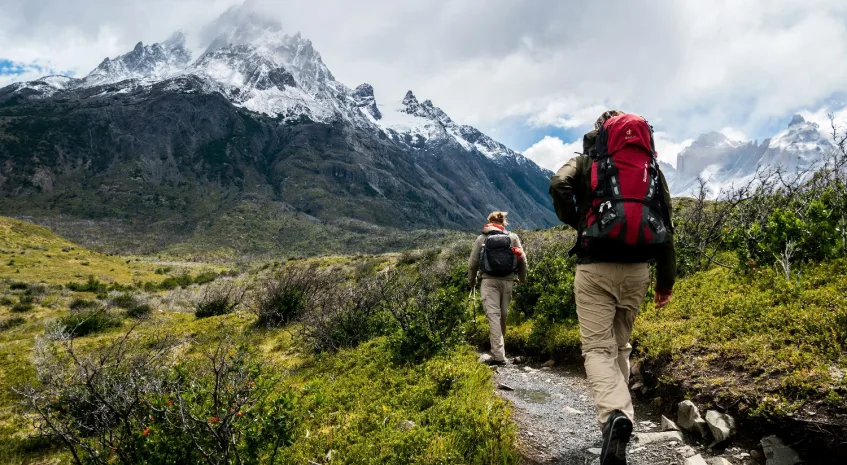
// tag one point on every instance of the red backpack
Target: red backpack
(626, 193)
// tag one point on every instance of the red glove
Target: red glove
(663, 297)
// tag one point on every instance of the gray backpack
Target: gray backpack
(497, 258)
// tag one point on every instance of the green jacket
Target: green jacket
(570, 188)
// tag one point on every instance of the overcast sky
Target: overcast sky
(533, 74)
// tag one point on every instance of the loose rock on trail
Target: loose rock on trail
(557, 423)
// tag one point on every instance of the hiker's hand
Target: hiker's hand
(662, 298)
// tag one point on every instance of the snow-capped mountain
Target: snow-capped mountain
(255, 121)
(152, 62)
(254, 64)
(723, 162)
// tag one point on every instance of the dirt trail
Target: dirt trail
(556, 421)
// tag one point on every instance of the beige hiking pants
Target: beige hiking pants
(608, 297)
(496, 294)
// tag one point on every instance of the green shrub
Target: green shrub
(6, 301)
(345, 315)
(82, 304)
(25, 304)
(132, 403)
(219, 300)
(124, 300)
(140, 310)
(9, 323)
(430, 310)
(285, 296)
(85, 322)
(93, 285)
(17, 286)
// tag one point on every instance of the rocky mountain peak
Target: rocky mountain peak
(363, 98)
(796, 120)
(410, 99)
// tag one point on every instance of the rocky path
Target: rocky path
(556, 419)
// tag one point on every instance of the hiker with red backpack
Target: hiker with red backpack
(499, 259)
(616, 197)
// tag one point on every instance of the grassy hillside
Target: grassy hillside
(30, 253)
(354, 378)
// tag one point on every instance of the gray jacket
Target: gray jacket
(473, 261)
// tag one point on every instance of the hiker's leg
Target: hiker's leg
(595, 306)
(490, 292)
(634, 281)
(505, 298)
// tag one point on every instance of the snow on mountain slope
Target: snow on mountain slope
(151, 62)
(251, 61)
(724, 163)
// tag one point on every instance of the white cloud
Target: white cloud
(667, 148)
(552, 152)
(689, 67)
(734, 134)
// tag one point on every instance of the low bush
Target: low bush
(430, 309)
(84, 322)
(83, 304)
(344, 316)
(18, 286)
(25, 304)
(135, 401)
(219, 300)
(285, 296)
(9, 323)
(93, 285)
(140, 310)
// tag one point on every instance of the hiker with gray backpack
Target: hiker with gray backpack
(500, 261)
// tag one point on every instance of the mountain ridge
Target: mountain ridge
(163, 144)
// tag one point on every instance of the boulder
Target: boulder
(721, 425)
(650, 438)
(688, 417)
(669, 425)
(695, 460)
(777, 453)
(718, 461)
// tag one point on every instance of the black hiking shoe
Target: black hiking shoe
(495, 363)
(616, 436)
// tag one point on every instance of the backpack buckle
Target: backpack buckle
(605, 205)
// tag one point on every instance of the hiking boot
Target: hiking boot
(616, 436)
(495, 363)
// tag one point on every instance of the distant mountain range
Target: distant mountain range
(157, 145)
(723, 162)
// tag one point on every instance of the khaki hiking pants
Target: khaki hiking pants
(608, 297)
(496, 294)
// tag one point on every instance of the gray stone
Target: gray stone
(650, 438)
(688, 417)
(685, 451)
(669, 425)
(777, 453)
(595, 451)
(505, 387)
(695, 460)
(721, 425)
(718, 461)
(406, 425)
(549, 363)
